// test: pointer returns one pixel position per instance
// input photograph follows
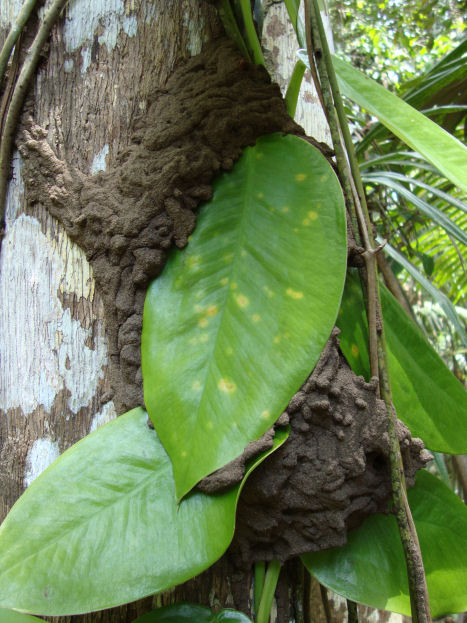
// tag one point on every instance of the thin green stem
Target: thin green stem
(269, 588)
(14, 33)
(231, 27)
(260, 570)
(250, 30)
(293, 90)
(20, 90)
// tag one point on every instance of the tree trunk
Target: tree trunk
(106, 60)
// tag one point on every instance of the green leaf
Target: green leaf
(438, 146)
(439, 297)
(178, 613)
(101, 526)
(230, 615)
(10, 616)
(370, 568)
(238, 319)
(438, 216)
(428, 398)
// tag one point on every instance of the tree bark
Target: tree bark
(106, 60)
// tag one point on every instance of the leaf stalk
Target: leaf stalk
(269, 588)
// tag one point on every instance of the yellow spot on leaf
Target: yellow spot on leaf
(198, 308)
(355, 350)
(306, 222)
(260, 195)
(193, 341)
(287, 335)
(277, 339)
(259, 155)
(226, 386)
(203, 322)
(268, 291)
(242, 301)
(196, 385)
(300, 177)
(285, 209)
(224, 281)
(233, 285)
(229, 351)
(212, 310)
(295, 230)
(228, 257)
(209, 425)
(193, 262)
(323, 178)
(312, 215)
(183, 454)
(265, 415)
(294, 294)
(243, 253)
(256, 317)
(203, 338)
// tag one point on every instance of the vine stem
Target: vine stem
(19, 93)
(14, 33)
(269, 588)
(260, 570)
(355, 199)
(251, 35)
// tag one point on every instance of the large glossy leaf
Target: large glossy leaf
(427, 397)
(438, 146)
(11, 616)
(239, 318)
(370, 568)
(101, 526)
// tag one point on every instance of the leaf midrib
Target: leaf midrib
(246, 198)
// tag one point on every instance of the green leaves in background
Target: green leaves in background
(438, 146)
(370, 568)
(101, 526)
(238, 319)
(427, 397)
(179, 613)
(10, 616)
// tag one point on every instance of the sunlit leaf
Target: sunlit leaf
(101, 526)
(238, 319)
(370, 568)
(427, 397)
(439, 147)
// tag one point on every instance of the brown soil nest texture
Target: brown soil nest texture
(128, 217)
(331, 473)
